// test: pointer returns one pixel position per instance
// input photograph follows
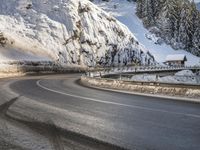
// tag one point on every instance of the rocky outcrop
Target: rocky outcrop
(69, 32)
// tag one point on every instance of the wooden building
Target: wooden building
(176, 60)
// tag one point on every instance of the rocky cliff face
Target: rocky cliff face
(70, 32)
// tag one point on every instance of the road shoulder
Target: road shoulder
(114, 86)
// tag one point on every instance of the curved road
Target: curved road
(129, 121)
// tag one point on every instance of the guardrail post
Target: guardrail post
(156, 78)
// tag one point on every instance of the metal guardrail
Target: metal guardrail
(178, 79)
(140, 69)
(151, 83)
(126, 73)
(149, 69)
(39, 69)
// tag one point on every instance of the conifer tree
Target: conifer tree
(177, 20)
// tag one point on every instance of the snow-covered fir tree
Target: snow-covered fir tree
(178, 21)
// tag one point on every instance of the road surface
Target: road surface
(127, 121)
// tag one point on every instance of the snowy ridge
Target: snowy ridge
(70, 32)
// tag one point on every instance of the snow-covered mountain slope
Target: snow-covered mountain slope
(198, 6)
(70, 32)
(124, 11)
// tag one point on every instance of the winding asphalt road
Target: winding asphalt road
(130, 121)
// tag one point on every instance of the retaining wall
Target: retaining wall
(144, 87)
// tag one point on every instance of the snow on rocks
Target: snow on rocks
(69, 32)
(154, 38)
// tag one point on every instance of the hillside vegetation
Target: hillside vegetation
(176, 21)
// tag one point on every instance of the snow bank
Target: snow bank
(185, 73)
(185, 76)
(144, 77)
(149, 89)
(69, 32)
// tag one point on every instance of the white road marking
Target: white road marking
(114, 103)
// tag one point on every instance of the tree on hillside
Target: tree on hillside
(177, 20)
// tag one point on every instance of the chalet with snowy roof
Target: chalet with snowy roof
(176, 60)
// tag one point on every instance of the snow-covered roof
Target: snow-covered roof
(176, 57)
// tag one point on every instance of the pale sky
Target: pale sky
(197, 0)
